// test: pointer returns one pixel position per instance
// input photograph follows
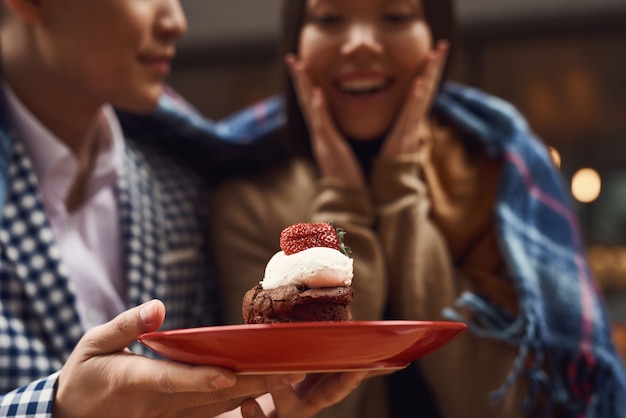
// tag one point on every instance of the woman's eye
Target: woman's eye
(326, 19)
(400, 17)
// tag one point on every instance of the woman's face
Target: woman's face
(117, 51)
(364, 55)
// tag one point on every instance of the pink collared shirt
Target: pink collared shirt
(89, 238)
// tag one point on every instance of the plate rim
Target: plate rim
(301, 325)
(379, 366)
(167, 338)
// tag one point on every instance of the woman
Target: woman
(452, 211)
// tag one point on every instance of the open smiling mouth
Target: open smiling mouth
(363, 87)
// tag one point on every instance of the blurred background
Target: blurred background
(561, 62)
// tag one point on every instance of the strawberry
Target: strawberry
(302, 236)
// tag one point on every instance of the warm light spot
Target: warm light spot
(556, 157)
(586, 185)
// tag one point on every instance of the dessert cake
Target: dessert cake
(308, 280)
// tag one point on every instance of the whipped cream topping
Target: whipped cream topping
(314, 268)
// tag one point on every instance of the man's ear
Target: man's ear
(30, 11)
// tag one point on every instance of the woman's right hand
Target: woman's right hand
(331, 151)
(102, 378)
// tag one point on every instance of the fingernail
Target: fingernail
(147, 313)
(292, 379)
(221, 382)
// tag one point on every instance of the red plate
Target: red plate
(304, 346)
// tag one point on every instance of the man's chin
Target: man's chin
(139, 106)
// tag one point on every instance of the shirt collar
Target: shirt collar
(53, 162)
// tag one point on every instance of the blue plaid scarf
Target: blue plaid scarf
(243, 143)
(563, 321)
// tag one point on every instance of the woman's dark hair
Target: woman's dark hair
(439, 15)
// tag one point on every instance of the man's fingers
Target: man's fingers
(169, 377)
(245, 387)
(309, 399)
(255, 385)
(288, 404)
(192, 386)
(251, 409)
(332, 389)
(203, 382)
(381, 372)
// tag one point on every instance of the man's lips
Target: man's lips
(161, 63)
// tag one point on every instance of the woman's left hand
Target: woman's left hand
(316, 392)
(406, 134)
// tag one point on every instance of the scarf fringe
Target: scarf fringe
(586, 390)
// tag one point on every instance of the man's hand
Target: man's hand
(102, 378)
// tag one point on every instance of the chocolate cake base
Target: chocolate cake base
(296, 304)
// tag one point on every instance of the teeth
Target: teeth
(363, 85)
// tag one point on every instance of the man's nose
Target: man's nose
(172, 21)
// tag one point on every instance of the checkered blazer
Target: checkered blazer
(162, 207)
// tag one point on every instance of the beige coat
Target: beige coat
(421, 235)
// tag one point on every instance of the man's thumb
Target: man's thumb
(123, 330)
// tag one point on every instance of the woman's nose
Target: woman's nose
(172, 22)
(361, 38)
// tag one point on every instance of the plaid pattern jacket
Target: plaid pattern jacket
(162, 209)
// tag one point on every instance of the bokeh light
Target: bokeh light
(555, 155)
(586, 185)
